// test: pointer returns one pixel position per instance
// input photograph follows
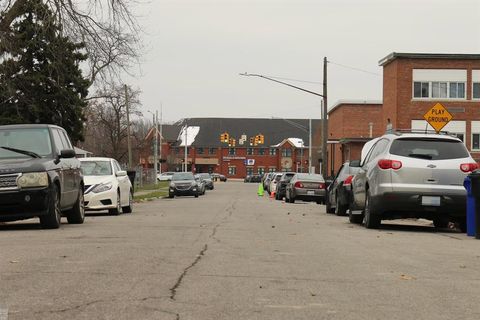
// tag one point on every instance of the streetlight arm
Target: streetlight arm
(281, 82)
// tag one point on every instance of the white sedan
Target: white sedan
(107, 186)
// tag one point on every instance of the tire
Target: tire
(196, 195)
(76, 215)
(129, 208)
(370, 219)
(462, 225)
(292, 200)
(116, 211)
(328, 206)
(340, 210)
(355, 218)
(54, 214)
(441, 222)
(171, 195)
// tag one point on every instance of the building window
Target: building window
(200, 150)
(439, 89)
(232, 170)
(211, 151)
(475, 141)
(272, 169)
(261, 151)
(231, 151)
(286, 152)
(261, 170)
(249, 171)
(457, 90)
(300, 152)
(460, 136)
(249, 151)
(273, 151)
(421, 89)
(476, 90)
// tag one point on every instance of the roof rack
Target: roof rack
(399, 132)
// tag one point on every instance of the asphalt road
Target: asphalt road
(233, 255)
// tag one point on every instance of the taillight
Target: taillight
(469, 167)
(298, 184)
(389, 164)
(321, 186)
(348, 181)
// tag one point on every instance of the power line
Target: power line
(355, 68)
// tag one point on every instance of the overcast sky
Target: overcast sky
(195, 49)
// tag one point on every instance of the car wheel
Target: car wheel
(441, 222)
(129, 208)
(328, 206)
(370, 219)
(355, 218)
(340, 210)
(171, 195)
(76, 215)
(196, 195)
(54, 214)
(116, 211)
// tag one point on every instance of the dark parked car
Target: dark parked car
(217, 176)
(339, 192)
(306, 187)
(39, 175)
(282, 185)
(208, 180)
(183, 184)
(253, 178)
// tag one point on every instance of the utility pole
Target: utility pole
(186, 149)
(309, 145)
(129, 145)
(155, 146)
(324, 121)
(161, 120)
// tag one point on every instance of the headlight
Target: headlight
(102, 187)
(33, 179)
(194, 183)
(172, 184)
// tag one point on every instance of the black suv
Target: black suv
(39, 175)
(183, 184)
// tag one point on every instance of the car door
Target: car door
(64, 172)
(333, 186)
(123, 183)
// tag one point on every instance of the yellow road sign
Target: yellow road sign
(438, 117)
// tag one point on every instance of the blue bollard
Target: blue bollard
(467, 183)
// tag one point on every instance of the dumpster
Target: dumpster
(475, 190)
(131, 175)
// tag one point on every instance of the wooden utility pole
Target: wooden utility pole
(129, 145)
(324, 121)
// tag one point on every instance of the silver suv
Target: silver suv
(412, 175)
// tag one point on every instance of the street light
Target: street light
(155, 146)
(324, 108)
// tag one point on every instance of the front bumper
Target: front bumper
(100, 201)
(23, 203)
(191, 191)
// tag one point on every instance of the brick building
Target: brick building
(412, 84)
(284, 145)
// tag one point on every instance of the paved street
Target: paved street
(233, 255)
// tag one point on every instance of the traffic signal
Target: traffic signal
(233, 142)
(251, 141)
(224, 137)
(261, 138)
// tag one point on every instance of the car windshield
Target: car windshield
(205, 175)
(167, 173)
(96, 168)
(35, 140)
(429, 149)
(309, 177)
(179, 176)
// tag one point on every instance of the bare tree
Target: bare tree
(106, 126)
(108, 29)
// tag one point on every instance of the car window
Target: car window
(28, 139)
(65, 140)
(307, 176)
(430, 149)
(57, 140)
(377, 149)
(179, 176)
(116, 166)
(96, 168)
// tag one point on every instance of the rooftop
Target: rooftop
(448, 56)
(356, 102)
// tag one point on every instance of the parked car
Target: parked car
(274, 181)
(208, 180)
(202, 184)
(282, 185)
(412, 175)
(107, 186)
(183, 184)
(266, 182)
(339, 192)
(306, 187)
(165, 176)
(217, 176)
(39, 175)
(253, 178)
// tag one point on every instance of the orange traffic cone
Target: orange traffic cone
(272, 195)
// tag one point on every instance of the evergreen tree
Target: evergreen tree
(40, 77)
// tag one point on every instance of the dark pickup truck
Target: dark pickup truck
(39, 175)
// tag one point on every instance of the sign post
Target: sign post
(438, 117)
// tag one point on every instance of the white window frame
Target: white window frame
(447, 76)
(475, 129)
(232, 170)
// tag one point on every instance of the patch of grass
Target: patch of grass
(150, 195)
(160, 185)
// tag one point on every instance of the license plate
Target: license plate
(310, 192)
(430, 201)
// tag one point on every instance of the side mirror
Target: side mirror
(121, 173)
(354, 164)
(67, 153)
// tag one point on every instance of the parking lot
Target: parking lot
(234, 255)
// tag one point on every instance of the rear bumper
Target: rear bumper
(23, 204)
(310, 195)
(394, 205)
